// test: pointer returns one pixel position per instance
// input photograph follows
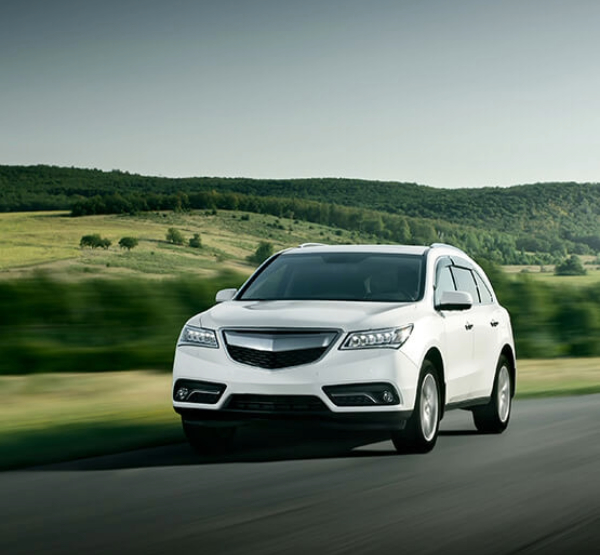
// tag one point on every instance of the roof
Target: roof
(389, 249)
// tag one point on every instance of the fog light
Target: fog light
(387, 396)
(182, 393)
(363, 394)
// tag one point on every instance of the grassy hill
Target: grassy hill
(31, 242)
(49, 241)
(500, 223)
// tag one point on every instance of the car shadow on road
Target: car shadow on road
(255, 445)
(250, 446)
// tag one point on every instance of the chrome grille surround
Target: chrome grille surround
(276, 349)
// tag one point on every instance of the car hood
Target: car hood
(343, 315)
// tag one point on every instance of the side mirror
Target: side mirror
(455, 300)
(225, 295)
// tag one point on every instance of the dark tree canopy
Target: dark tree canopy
(175, 236)
(94, 241)
(128, 243)
(195, 241)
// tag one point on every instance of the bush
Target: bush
(128, 243)
(196, 241)
(93, 241)
(572, 266)
(175, 236)
(90, 241)
(264, 251)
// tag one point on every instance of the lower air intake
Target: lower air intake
(285, 404)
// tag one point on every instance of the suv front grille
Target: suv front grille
(278, 348)
(276, 403)
(273, 360)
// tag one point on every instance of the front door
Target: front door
(458, 341)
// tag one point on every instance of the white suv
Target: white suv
(362, 336)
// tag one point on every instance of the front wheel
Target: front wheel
(421, 431)
(208, 440)
(493, 418)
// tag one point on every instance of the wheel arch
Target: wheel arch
(435, 357)
(508, 352)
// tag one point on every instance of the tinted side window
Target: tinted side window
(465, 282)
(484, 293)
(444, 282)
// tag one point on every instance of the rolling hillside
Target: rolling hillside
(551, 218)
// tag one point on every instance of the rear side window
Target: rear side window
(484, 293)
(466, 282)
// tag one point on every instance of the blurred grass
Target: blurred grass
(49, 325)
(54, 417)
(558, 376)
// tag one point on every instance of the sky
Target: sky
(447, 93)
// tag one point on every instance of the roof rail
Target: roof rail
(445, 245)
(304, 245)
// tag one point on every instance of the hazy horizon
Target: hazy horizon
(471, 93)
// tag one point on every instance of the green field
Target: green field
(49, 241)
(545, 274)
(53, 417)
(592, 277)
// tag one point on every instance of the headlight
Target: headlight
(201, 337)
(391, 338)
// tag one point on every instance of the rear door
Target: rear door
(483, 331)
(487, 342)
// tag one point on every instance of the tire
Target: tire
(493, 418)
(207, 440)
(421, 431)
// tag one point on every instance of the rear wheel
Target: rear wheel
(208, 439)
(421, 431)
(493, 418)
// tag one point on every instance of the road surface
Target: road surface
(533, 490)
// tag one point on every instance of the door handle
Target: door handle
(468, 326)
(494, 323)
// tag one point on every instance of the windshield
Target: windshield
(339, 276)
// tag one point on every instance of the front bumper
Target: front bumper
(334, 369)
(389, 420)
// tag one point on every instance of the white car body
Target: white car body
(463, 344)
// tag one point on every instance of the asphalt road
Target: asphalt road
(534, 489)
